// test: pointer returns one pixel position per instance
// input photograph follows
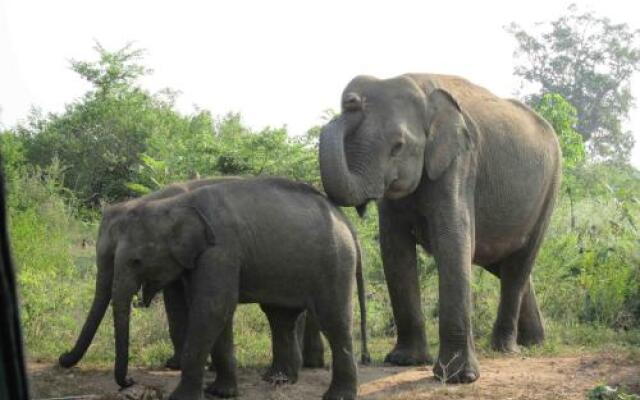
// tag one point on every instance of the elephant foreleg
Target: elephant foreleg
(214, 286)
(451, 232)
(224, 361)
(398, 247)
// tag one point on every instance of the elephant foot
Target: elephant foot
(67, 360)
(456, 368)
(279, 376)
(173, 363)
(186, 392)
(126, 382)
(313, 352)
(340, 394)
(223, 390)
(504, 344)
(530, 336)
(528, 341)
(365, 359)
(313, 360)
(404, 356)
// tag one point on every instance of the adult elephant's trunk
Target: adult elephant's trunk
(342, 186)
(101, 299)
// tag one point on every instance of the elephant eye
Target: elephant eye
(136, 263)
(396, 149)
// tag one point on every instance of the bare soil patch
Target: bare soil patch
(502, 378)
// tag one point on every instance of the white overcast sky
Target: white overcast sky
(276, 62)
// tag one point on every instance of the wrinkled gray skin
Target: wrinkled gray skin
(269, 241)
(175, 299)
(469, 176)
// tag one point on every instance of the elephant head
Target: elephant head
(390, 132)
(155, 246)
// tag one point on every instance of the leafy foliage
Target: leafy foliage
(12, 155)
(98, 138)
(120, 140)
(603, 392)
(589, 60)
(115, 71)
(563, 117)
(590, 272)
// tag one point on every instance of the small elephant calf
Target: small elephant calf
(266, 240)
(284, 367)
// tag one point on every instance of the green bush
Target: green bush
(591, 273)
(40, 225)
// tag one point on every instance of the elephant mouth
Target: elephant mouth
(362, 208)
(398, 188)
(394, 189)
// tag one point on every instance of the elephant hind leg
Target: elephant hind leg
(513, 280)
(310, 341)
(287, 358)
(334, 318)
(517, 298)
(530, 325)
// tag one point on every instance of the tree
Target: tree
(101, 138)
(589, 61)
(564, 117)
(583, 180)
(115, 70)
(270, 151)
(98, 140)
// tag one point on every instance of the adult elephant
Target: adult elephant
(175, 297)
(469, 176)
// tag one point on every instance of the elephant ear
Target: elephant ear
(447, 134)
(191, 234)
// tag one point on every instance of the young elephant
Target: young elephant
(175, 300)
(113, 217)
(269, 241)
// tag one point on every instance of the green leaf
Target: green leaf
(137, 188)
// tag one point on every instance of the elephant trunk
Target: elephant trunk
(341, 185)
(101, 299)
(121, 314)
(365, 357)
(125, 286)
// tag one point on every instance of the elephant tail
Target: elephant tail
(362, 300)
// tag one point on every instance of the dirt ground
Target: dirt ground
(513, 377)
